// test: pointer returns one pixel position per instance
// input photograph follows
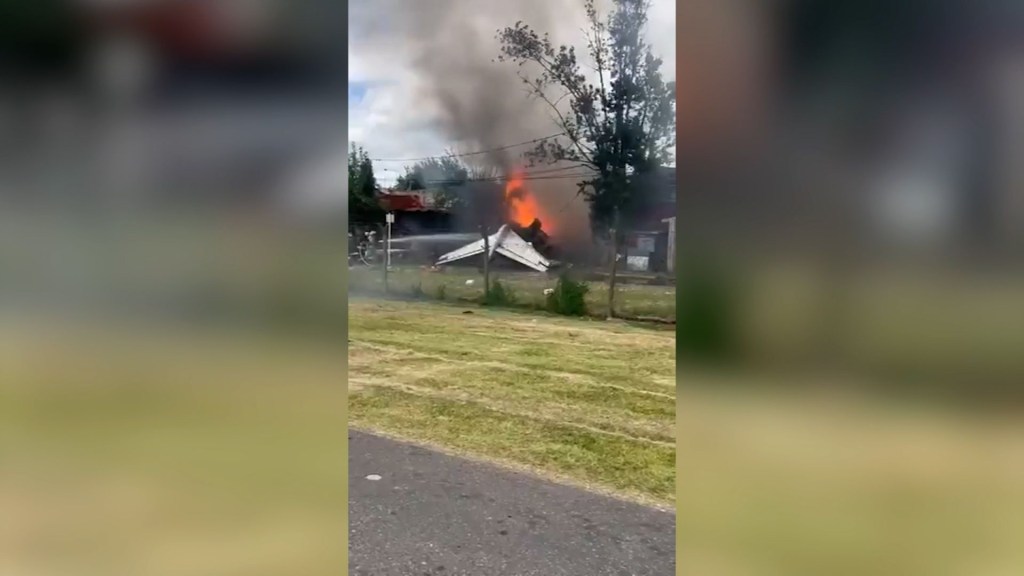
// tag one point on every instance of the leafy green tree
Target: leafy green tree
(616, 112)
(363, 206)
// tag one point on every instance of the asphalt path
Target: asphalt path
(419, 512)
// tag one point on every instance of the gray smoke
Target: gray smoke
(478, 102)
(481, 104)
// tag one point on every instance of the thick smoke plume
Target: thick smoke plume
(481, 104)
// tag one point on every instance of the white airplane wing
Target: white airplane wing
(504, 242)
(466, 251)
(515, 248)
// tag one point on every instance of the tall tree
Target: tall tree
(616, 111)
(363, 206)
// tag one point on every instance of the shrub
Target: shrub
(499, 295)
(416, 290)
(706, 313)
(568, 297)
(441, 291)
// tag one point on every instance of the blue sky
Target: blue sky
(356, 92)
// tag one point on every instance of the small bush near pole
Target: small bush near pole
(568, 297)
(499, 295)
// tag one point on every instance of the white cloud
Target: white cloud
(662, 34)
(392, 119)
(387, 121)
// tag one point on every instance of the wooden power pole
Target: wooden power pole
(487, 261)
(615, 264)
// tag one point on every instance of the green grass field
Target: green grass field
(772, 482)
(784, 484)
(588, 401)
(131, 451)
(632, 300)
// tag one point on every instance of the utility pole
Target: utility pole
(386, 260)
(615, 264)
(390, 219)
(487, 261)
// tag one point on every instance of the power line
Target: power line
(476, 153)
(528, 172)
(524, 172)
(565, 206)
(506, 178)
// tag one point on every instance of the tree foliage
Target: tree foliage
(616, 111)
(433, 172)
(363, 206)
(446, 175)
(568, 297)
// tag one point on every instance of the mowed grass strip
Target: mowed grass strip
(628, 466)
(169, 451)
(527, 287)
(807, 483)
(591, 401)
(620, 354)
(552, 396)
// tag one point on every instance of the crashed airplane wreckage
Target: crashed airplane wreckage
(508, 242)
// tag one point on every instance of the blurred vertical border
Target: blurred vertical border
(850, 287)
(172, 289)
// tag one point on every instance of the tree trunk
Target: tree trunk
(615, 265)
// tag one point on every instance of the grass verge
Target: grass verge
(139, 451)
(632, 300)
(619, 462)
(799, 483)
(589, 401)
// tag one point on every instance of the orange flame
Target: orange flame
(522, 206)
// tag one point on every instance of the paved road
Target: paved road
(432, 514)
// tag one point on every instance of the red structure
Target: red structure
(404, 202)
(415, 212)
